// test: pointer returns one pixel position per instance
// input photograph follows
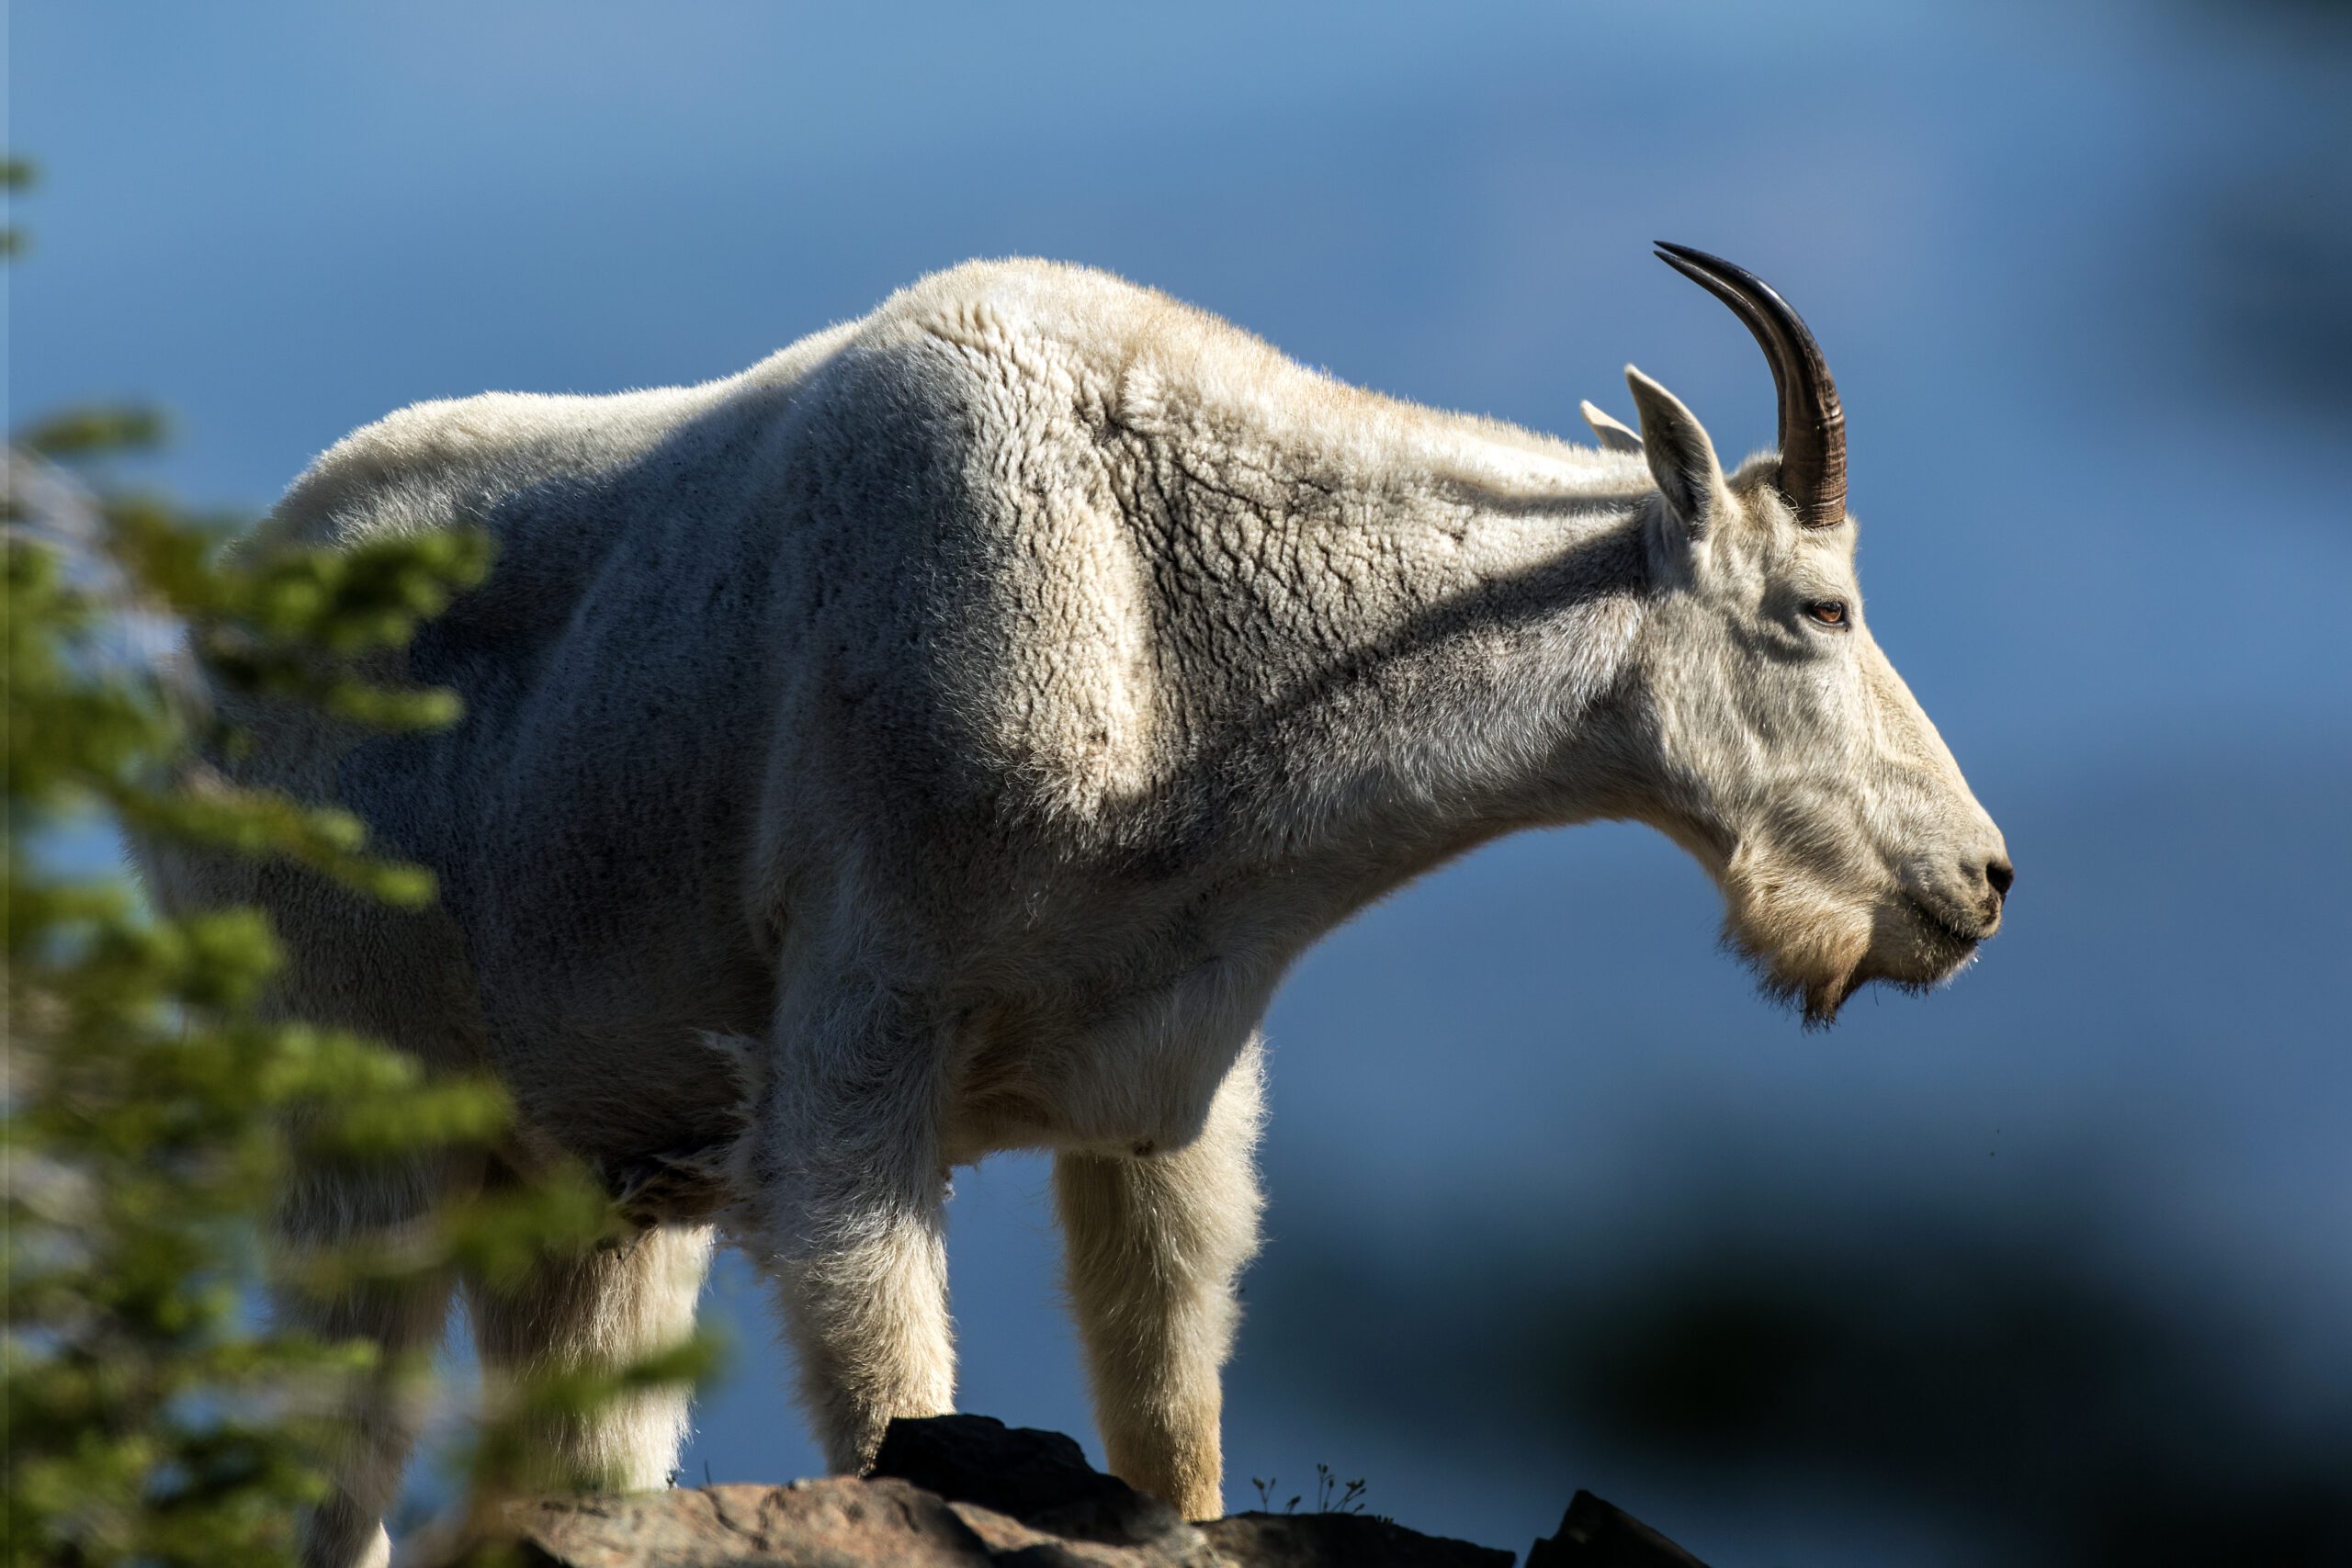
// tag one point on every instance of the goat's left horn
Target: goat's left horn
(1812, 422)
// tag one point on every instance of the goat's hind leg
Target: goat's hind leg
(1152, 1248)
(596, 1310)
(358, 1210)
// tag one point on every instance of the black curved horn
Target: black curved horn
(1812, 422)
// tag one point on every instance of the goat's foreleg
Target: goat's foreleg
(845, 1215)
(1154, 1246)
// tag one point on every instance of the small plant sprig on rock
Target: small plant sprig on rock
(1332, 1496)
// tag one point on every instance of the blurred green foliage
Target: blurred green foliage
(154, 1415)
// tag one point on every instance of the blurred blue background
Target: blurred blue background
(2050, 1268)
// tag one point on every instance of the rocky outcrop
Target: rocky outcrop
(835, 1524)
(964, 1491)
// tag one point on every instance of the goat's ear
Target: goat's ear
(1613, 436)
(1681, 458)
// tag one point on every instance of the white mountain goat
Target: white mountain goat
(962, 719)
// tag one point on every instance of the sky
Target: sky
(2078, 272)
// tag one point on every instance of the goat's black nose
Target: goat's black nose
(2000, 874)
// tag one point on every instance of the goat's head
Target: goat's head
(1792, 761)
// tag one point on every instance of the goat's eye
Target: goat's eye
(1829, 612)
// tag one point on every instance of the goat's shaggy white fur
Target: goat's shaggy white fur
(961, 719)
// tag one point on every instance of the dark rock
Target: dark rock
(1338, 1541)
(1018, 1470)
(1039, 1478)
(1594, 1534)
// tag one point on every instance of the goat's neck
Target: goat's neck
(1405, 650)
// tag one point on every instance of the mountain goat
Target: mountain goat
(939, 739)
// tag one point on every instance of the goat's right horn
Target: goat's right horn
(1812, 422)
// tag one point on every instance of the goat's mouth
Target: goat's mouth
(1940, 932)
(1926, 948)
